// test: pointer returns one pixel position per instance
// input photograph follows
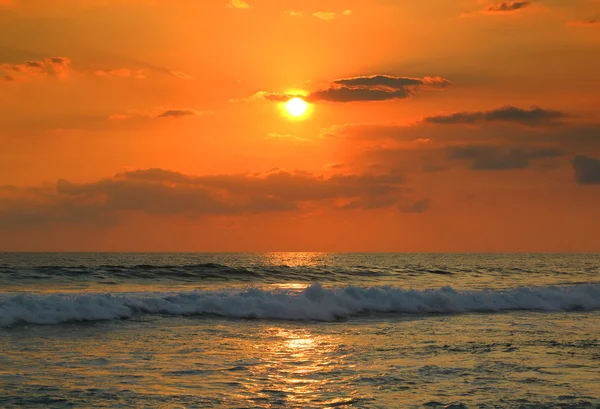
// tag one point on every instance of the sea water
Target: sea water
(299, 330)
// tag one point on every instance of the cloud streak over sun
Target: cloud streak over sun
(367, 88)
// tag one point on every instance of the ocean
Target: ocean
(299, 330)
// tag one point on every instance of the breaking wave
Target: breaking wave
(313, 303)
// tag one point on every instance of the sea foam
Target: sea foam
(313, 303)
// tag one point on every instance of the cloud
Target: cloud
(139, 71)
(345, 94)
(419, 207)
(160, 192)
(500, 157)
(60, 65)
(499, 143)
(508, 6)
(365, 88)
(239, 4)
(181, 75)
(290, 137)
(168, 113)
(324, 15)
(378, 132)
(119, 117)
(22, 64)
(177, 113)
(587, 170)
(571, 136)
(329, 15)
(120, 73)
(584, 23)
(55, 66)
(321, 15)
(390, 82)
(533, 117)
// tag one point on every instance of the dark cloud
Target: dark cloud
(507, 6)
(535, 116)
(499, 143)
(35, 64)
(570, 136)
(58, 60)
(177, 113)
(390, 82)
(587, 170)
(500, 158)
(365, 88)
(417, 207)
(421, 148)
(162, 193)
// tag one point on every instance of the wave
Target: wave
(313, 303)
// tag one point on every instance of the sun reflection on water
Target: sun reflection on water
(313, 261)
(299, 259)
(298, 365)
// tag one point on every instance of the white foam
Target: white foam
(313, 303)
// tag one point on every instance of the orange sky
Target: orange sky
(434, 125)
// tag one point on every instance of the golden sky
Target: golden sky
(433, 125)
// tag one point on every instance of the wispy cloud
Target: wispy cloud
(585, 23)
(290, 137)
(163, 113)
(121, 73)
(239, 4)
(330, 15)
(324, 15)
(321, 15)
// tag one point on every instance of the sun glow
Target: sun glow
(296, 107)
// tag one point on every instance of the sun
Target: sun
(296, 107)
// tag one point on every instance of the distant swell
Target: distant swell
(141, 271)
(313, 303)
(187, 273)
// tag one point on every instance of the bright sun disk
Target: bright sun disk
(296, 107)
